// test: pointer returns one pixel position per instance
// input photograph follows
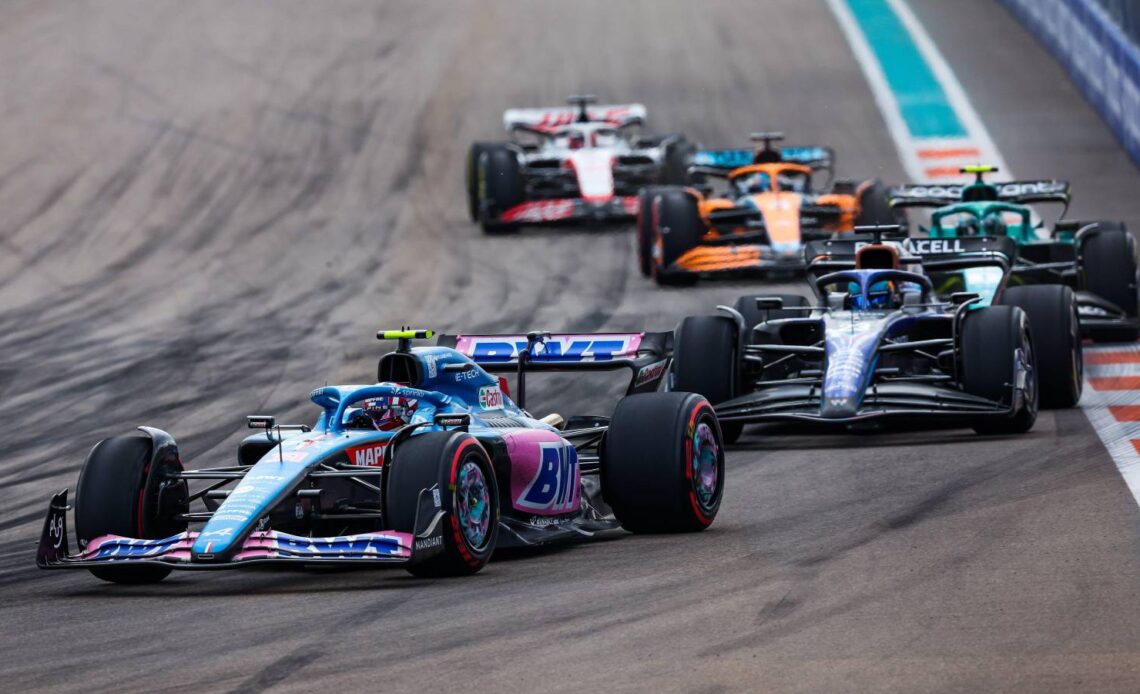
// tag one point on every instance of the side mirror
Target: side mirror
(769, 303)
(959, 298)
(261, 421)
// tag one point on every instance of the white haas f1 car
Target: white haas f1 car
(585, 162)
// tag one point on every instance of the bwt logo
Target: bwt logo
(555, 484)
(554, 349)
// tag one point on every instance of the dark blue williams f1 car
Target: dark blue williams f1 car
(432, 468)
(918, 330)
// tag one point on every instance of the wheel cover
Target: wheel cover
(704, 463)
(473, 504)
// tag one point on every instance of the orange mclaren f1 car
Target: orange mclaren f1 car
(772, 206)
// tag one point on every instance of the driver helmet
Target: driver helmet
(758, 182)
(382, 414)
(576, 140)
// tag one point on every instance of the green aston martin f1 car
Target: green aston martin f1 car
(1097, 259)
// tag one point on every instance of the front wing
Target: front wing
(802, 403)
(260, 547)
(571, 209)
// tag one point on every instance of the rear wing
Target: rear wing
(728, 159)
(839, 254)
(646, 355)
(939, 195)
(549, 119)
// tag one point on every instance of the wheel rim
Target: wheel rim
(1025, 356)
(704, 464)
(473, 504)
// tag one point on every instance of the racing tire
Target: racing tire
(754, 316)
(678, 230)
(874, 206)
(458, 464)
(988, 334)
(1056, 332)
(645, 198)
(663, 463)
(705, 362)
(499, 187)
(1108, 269)
(471, 178)
(119, 491)
(678, 157)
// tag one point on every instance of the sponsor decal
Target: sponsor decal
(55, 529)
(490, 397)
(299, 511)
(466, 375)
(432, 369)
(428, 542)
(1013, 189)
(543, 522)
(371, 454)
(934, 246)
(650, 373)
(540, 211)
(435, 498)
(220, 532)
(556, 347)
(555, 482)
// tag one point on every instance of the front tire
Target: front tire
(458, 464)
(124, 490)
(996, 340)
(1056, 332)
(645, 227)
(663, 463)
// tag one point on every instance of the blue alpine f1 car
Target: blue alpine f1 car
(432, 468)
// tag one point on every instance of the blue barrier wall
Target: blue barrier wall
(1097, 52)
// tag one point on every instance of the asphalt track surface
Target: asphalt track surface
(209, 207)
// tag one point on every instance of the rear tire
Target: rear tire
(679, 229)
(874, 208)
(678, 156)
(1108, 269)
(1056, 332)
(705, 362)
(663, 463)
(118, 492)
(499, 187)
(754, 316)
(993, 339)
(460, 466)
(471, 178)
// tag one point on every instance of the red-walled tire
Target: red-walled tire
(460, 466)
(663, 463)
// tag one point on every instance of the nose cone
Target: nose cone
(839, 408)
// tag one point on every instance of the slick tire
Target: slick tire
(874, 208)
(705, 362)
(992, 340)
(458, 464)
(1108, 269)
(118, 492)
(645, 228)
(678, 157)
(754, 316)
(498, 187)
(663, 463)
(678, 230)
(1056, 333)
